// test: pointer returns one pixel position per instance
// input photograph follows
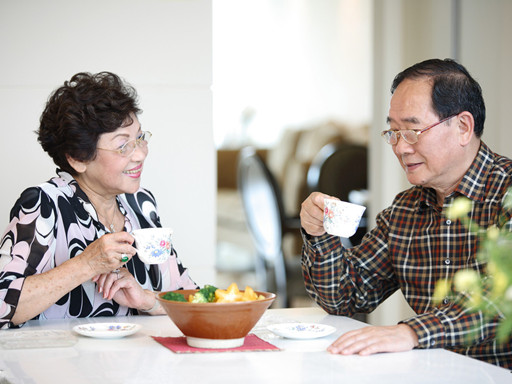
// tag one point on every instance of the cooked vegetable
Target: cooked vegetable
(174, 296)
(250, 295)
(230, 295)
(204, 295)
(211, 294)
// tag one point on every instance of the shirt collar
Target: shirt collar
(472, 184)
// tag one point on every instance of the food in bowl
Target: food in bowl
(211, 294)
(215, 324)
(204, 295)
(233, 294)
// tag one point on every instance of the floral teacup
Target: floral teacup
(153, 245)
(342, 218)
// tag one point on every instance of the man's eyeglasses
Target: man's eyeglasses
(129, 147)
(410, 136)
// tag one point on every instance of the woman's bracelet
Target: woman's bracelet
(154, 308)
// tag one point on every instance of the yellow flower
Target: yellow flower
(491, 268)
(441, 290)
(507, 204)
(500, 283)
(466, 280)
(459, 209)
(508, 293)
(476, 298)
(493, 233)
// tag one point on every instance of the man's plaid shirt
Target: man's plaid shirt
(412, 247)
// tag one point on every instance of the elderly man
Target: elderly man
(436, 120)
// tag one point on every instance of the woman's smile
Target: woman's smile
(134, 172)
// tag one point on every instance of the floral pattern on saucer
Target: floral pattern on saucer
(106, 330)
(301, 330)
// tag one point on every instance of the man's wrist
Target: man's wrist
(412, 334)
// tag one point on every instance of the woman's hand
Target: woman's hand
(125, 290)
(312, 213)
(105, 254)
(122, 287)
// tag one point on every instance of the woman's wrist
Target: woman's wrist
(155, 306)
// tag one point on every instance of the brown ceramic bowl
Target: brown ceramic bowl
(215, 325)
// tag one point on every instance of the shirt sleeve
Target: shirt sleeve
(454, 325)
(24, 248)
(347, 281)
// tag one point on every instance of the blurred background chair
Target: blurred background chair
(340, 170)
(288, 163)
(267, 223)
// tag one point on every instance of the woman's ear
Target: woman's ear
(466, 126)
(77, 165)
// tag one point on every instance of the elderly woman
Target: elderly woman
(67, 251)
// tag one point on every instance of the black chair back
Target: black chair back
(340, 169)
(261, 199)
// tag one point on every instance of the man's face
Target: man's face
(431, 162)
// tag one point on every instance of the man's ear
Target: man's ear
(466, 126)
(77, 165)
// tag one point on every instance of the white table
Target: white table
(140, 359)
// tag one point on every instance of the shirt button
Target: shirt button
(448, 222)
(433, 342)
(446, 301)
(447, 261)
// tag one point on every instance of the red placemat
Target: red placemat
(252, 343)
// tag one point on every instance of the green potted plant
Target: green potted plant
(490, 292)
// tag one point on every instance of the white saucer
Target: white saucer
(106, 330)
(301, 330)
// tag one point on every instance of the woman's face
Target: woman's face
(110, 173)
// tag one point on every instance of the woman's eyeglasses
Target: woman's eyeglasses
(129, 147)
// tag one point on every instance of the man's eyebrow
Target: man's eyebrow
(412, 120)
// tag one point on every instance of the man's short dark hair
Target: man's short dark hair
(453, 89)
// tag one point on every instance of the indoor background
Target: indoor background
(221, 74)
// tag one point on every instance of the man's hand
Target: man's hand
(312, 213)
(370, 340)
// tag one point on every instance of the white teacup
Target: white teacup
(153, 245)
(342, 218)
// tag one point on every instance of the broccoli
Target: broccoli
(174, 296)
(204, 295)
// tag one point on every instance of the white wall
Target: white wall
(163, 48)
(291, 63)
(486, 49)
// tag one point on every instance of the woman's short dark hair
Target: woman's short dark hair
(453, 89)
(78, 112)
